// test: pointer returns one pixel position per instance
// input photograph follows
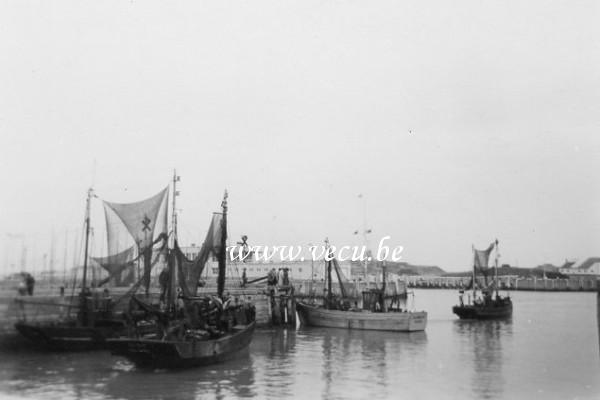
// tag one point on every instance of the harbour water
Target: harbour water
(548, 350)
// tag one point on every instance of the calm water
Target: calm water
(549, 350)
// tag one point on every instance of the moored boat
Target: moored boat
(402, 321)
(191, 330)
(153, 352)
(374, 314)
(488, 304)
(92, 318)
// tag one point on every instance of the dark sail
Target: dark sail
(339, 274)
(119, 266)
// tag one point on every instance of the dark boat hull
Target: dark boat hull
(493, 311)
(70, 337)
(391, 321)
(153, 353)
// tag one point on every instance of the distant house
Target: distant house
(589, 266)
(566, 267)
(547, 268)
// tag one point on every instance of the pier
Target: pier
(275, 306)
(510, 282)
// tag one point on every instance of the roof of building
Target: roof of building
(587, 263)
(568, 264)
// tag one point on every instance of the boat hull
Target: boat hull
(365, 320)
(483, 312)
(154, 353)
(70, 337)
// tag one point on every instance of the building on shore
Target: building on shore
(297, 270)
(589, 266)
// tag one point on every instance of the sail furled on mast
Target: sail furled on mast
(482, 257)
(341, 278)
(191, 270)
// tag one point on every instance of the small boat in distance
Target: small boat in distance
(374, 314)
(490, 304)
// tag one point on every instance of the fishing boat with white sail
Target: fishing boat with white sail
(487, 303)
(191, 329)
(90, 317)
(375, 313)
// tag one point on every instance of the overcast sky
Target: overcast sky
(296, 108)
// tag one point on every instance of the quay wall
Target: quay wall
(275, 306)
(308, 288)
(573, 283)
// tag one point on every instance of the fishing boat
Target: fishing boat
(91, 316)
(375, 313)
(192, 330)
(487, 303)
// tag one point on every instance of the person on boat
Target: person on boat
(22, 289)
(244, 277)
(180, 304)
(272, 277)
(30, 283)
(163, 281)
(286, 279)
(106, 300)
(487, 297)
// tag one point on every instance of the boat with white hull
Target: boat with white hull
(399, 321)
(374, 314)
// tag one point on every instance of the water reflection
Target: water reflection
(233, 378)
(481, 345)
(379, 353)
(527, 357)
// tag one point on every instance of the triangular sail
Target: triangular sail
(119, 266)
(482, 257)
(143, 221)
(140, 218)
(191, 270)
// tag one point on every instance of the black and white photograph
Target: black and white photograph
(317, 199)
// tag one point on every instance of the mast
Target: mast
(64, 278)
(51, 261)
(473, 250)
(383, 270)
(171, 259)
(328, 273)
(496, 268)
(328, 283)
(87, 237)
(365, 236)
(383, 286)
(174, 212)
(222, 249)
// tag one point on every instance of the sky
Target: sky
(458, 123)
